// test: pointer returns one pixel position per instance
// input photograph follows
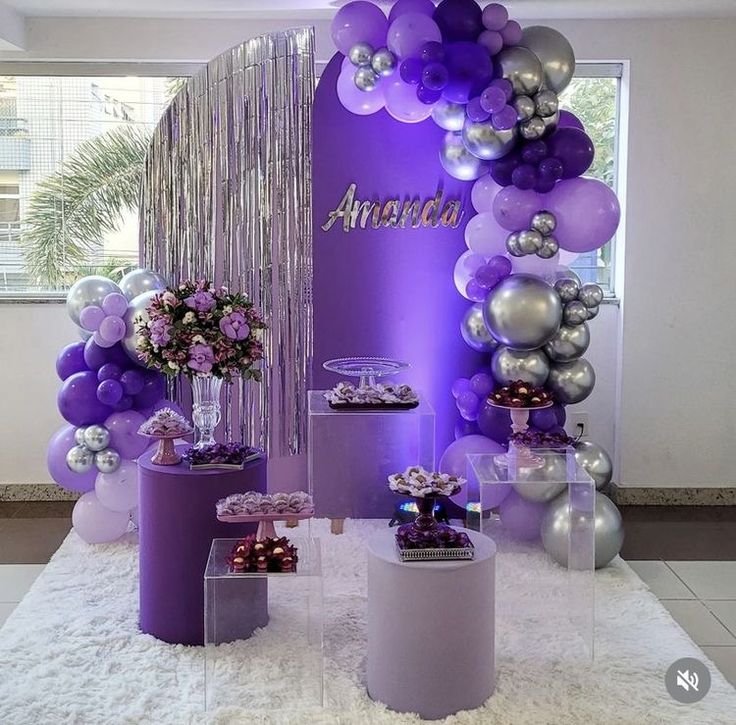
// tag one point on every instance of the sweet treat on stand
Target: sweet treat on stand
(228, 456)
(254, 555)
(252, 503)
(376, 395)
(415, 481)
(166, 425)
(520, 395)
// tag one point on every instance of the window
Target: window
(71, 155)
(593, 96)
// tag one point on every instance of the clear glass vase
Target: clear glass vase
(206, 412)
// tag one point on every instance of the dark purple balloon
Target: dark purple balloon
(401, 7)
(524, 177)
(77, 400)
(70, 360)
(505, 119)
(466, 428)
(109, 371)
(132, 381)
(500, 265)
(574, 149)
(560, 413)
(501, 169)
(495, 423)
(154, 388)
(470, 69)
(96, 356)
(569, 120)
(109, 392)
(427, 95)
(125, 403)
(551, 168)
(475, 111)
(459, 20)
(544, 184)
(482, 384)
(435, 76)
(534, 151)
(543, 419)
(410, 71)
(432, 51)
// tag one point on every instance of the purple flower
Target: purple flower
(160, 332)
(201, 358)
(234, 326)
(201, 301)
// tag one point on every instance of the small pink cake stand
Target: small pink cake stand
(520, 424)
(266, 528)
(166, 454)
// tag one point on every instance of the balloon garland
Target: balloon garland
(494, 88)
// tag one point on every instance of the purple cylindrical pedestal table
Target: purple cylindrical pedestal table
(431, 629)
(177, 523)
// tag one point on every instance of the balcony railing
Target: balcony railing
(15, 144)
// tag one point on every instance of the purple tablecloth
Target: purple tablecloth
(177, 523)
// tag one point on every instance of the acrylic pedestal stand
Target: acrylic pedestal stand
(431, 630)
(177, 523)
(352, 453)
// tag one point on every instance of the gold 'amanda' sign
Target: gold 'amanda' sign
(411, 213)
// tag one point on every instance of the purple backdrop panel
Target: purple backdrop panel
(383, 280)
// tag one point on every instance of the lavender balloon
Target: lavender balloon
(461, 385)
(402, 102)
(356, 101)
(118, 491)
(521, 518)
(409, 32)
(124, 438)
(495, 16)
(514, 208)
(465, 268)
(484, 236)
(115, 304)
(483, 193)
(60, 444)
(358, 22)
(468, 403)
(91, 317)
(70, 360)
(96, 524)
(454, 461)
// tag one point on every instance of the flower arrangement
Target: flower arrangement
(198, 329)
(420, 483)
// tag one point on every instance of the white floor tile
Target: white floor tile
(16, 580)
(5, 610)
(725, 611)
(663, 582)
(707, 579)
(724, 659)
(699, 623)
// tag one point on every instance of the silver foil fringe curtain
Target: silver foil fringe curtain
(227, 197)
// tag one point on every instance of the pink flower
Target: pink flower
(170, 299)
(234, 326)
(201, 301)
(201, 358)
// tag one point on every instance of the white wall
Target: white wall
(675, 420)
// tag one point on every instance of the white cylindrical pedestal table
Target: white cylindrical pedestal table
(431, 635)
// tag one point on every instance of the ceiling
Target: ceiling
(324, 8)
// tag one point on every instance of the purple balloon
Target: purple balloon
(491, 40)
(459, 20)
(482, 384)
(475, 111)
(168, 404)
(544, 184)
(115, 304)
(432, 52)
(521, 518)
(402, 102)
(60, 444)
(109, 392)
(359, 22)
(551, 168)
(409, 32)
(109, 371)
(524, 176)
(475, 291)
(560, 413)
(118, 491)
(514, 209)
(483, 193)
(361, 103)
(112, 329)
(569, 120)
(460, 386)
(96, 356)
(505, 119)
(493, 99)
(511, 33)
(435, 76)
(470, 70)
(400, 7)
(468, 404)
(574, 149)
(495, 423)
(70, 360)
(465, 428)
(154, 389)
(102, 341)
(132, 381)
(91, 317)
(427, 95)
(587, 213)
(410, 71)
(543, 419)
(495, 16)
(124, 438)
(500, 265)
(534, 152)
(453, 460)
(484, 236)
(486, 278)
(505, 85)
(125, 403)
(77, 400)
(502, 169)
(96, 524)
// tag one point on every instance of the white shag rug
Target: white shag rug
(71, 652)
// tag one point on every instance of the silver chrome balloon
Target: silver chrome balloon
(608, 528)
(512, 245)
(96, 437)
(79, 459)
(457, 161)
(366, 79)
(87, 291)
(361, 54)
(550, 247)
(567, 288)
(487, 142)
(530, 241)
(542, 483)
(593, 312)
(474, 330)
(136, 310)
(571, 382)
(596, 462)
(546, 103)
(523, 312)
(563, 272)
(522, 68)
(79, 436)
(141, 280)
(107, 460)
(532, 129)
(531, 366)
(554, 53)
(574, 313)
(524, 107)
(550, 122)
(383, 62)
(591, 294)
(447, 115)
(544, 222)
(569, 343)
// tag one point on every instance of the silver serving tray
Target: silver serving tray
(465, 553)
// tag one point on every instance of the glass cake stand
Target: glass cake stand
(365, 368)
(520, 424)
